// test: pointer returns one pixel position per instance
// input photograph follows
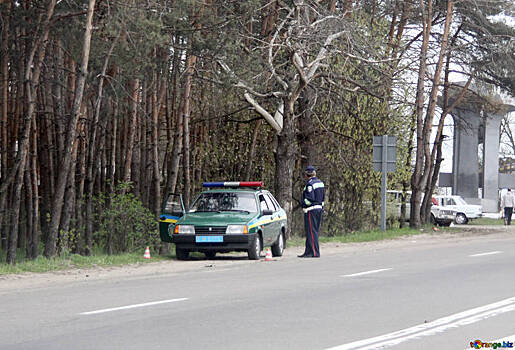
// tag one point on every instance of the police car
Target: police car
(227, 216)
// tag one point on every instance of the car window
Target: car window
(276, 203)
(460, 201)
(172, 205)
(225, 201)
(449, 201)
(270, 204)
(262, 203)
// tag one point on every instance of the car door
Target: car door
(266, 219)
(274, 227)
(279, 217)
(171, 210)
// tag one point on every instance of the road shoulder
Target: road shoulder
(25, 281)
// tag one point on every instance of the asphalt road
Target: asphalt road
(420, 294)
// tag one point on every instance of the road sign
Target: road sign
(384, 159)
(391, 153)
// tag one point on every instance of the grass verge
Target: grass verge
(486, 221)
(74, 261)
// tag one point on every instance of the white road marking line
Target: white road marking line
(366, 272)
(433, 327)
(132, 306)
(487, 253)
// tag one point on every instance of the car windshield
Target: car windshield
(225, 201)
(460, 201)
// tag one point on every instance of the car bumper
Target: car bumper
(474, 215)
(230, 242)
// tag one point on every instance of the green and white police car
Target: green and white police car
(227, 216)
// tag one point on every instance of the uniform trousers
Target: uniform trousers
(312, 221)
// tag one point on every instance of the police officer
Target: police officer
(312, 204)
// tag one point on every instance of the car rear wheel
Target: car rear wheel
(255, 248)
(278, 246)
(461, 219)
(182, 254)
(210, 254)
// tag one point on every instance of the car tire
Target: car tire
(255, 248)
(210, 255)
(182, 254)
(278, 246)
(461, 219)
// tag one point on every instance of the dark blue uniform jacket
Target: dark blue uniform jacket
(314, 193)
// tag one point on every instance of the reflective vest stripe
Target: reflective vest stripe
(318, 185)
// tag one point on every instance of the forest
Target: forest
(108, 105)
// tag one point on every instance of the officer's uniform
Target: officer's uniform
(312, 204)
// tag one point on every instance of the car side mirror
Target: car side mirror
(267, 212)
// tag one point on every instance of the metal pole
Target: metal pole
(383, 182)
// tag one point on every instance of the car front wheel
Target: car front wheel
(461, 219)
(255, 248)
(278, 246)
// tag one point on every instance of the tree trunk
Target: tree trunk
(4, 69)
(430, 111)
(31, 81)
(29, 212)
(134, 93)
(159, 102)
(57, 205)
(69, 203)
(176, 153)
(4, 154)
(309, 154)
(252, 151)
(416, 185)
(32, 251)
(284, 163)
(190, 66)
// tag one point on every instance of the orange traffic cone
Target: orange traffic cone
(147, 253)
(268, 256)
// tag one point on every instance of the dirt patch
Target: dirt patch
(172, 266)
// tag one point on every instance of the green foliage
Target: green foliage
(125, 225)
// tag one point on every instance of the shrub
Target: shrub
(125, 225)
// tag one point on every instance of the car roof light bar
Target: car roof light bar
(233, 184)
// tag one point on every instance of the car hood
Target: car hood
(216, 218)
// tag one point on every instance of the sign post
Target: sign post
(384, 160)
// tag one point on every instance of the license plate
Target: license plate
(209, 239)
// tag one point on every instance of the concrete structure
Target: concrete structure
(477, 120)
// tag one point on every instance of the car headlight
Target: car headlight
(185, 229)
(236, 229)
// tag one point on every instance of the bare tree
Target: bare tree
(298, 48)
